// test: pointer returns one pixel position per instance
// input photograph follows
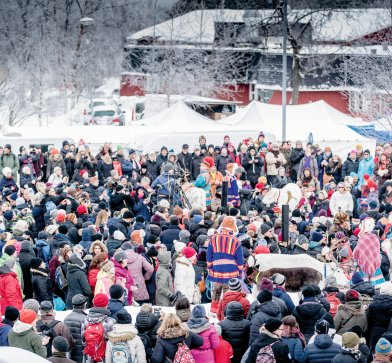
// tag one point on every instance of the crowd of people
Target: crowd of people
(94, 234)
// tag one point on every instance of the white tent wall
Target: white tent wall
(326, 124)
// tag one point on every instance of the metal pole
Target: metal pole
(284, 70)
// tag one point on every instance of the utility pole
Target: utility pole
(284, 70)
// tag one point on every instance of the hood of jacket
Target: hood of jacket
(4, 270)
(132, 256)
(97, 315)
(164, 258)
(146, 321)
(353, 307)
(270, 308)
(323, 341)
(184, 314)
(182, 260)
(40, 271)
(21, 328)
(115, 305)
(308, 309)
(177, 333)
(122, 333)
(235, 311)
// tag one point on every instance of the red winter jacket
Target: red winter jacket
(10, 291)
(92, 278)
(230, 296)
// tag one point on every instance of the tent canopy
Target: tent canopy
(319, 118)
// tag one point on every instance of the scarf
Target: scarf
(293, 332)
(367, 253)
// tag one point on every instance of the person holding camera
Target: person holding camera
(252, 164)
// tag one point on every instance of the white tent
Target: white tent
(326, 124)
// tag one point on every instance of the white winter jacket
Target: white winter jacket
(344, 201)
(184, 277)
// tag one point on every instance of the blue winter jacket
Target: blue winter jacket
(296, 349)
(281, 293)
(4, 330)
(366, 166)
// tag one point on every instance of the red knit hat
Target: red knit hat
(260, 249)
(260, 186)
(82, 172)
(252, 227)
(356, 231)
(54, 152)
(82, 209)
(27, 316)
(352, 295)
(208, 161)
(100, 301)
(188, 252)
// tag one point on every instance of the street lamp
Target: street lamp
(86, 21)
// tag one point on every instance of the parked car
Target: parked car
(93, 103)
(107, 115)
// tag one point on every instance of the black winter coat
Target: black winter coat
(119, 201)
(345, 356)
(364, 288)
(350, 166)
(25, 257)
(93, 193)
(42, 285)
(112, 245)
(148, 324)
(280, 349)
(195, 166)
(169, 235)
(196, 230)
(153, 169)
(268, 309)
(168, 347)
(221, 163)
(103, 171)
(235, 330)
(185, 160)
(77, 283)
(379, 314)
(253, 170)
(323, 350)
(307, 315)
(74, 323)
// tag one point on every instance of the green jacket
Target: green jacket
(23, 336)
(11, 161)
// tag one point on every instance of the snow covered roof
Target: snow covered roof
(199, 26)
(318, 118)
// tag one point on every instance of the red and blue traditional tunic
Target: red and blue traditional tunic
(224, 257)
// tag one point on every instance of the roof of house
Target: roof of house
(332, 26)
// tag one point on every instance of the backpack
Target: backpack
(334, 303)
(47, 330)
(60, 279)
(121, 353)
(95, 347)
(183, 354)
(43, 251)
(147, 345)
(266, 355)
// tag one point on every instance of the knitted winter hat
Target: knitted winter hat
(317, 236)
(31, 304)
(264, 228)
(357, 278)
(278, 279)
(263, 296)
(124, 318)
(185, 236)
(118, 235)
(260, 249)
(350, 340)
(352, 295)
(100, 301)
(308, 291)
(272, 324)
(116, 292)
(266, 284)
(188, 252)
(11, 313)
(120, 256)
(199, 311)
(383, 347)
(321, 327)
(235, 285)
(27, 316)
(9, 250)
(60, 344)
